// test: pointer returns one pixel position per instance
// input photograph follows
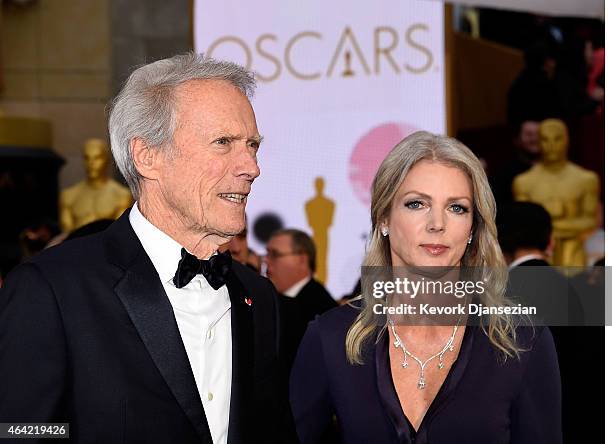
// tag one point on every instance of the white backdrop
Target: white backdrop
(340, 83)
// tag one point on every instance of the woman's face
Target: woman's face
(431, 216)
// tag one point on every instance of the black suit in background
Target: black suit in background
(582, 403)
(312, 300)
(544, 285)
(88, 336)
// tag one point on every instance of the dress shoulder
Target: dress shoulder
(338, 319)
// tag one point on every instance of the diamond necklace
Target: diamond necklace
(398, 343)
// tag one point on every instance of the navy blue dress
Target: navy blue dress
(482, 400)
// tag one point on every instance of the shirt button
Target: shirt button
(210, 396)
(209, 335)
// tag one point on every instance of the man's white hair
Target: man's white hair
(145, 106)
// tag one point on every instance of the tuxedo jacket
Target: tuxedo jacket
(88, 336)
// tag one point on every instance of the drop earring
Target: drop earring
(469, 239)
(384, 231)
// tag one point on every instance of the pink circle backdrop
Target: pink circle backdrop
(369, 153)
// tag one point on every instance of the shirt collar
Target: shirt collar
(297, 287)
(164, 252)
(522, 259)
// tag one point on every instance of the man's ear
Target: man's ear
(144, 158)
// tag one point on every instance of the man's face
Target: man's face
(95, 157)
(553, 139)
(285, 267)
(205, 179)
(529, 138)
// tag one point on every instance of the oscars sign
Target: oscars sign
(339, 64)
(339, 85)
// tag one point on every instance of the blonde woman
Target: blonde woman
(494, 383)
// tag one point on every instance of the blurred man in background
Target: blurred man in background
(240, 251)
(526, 153)
(291, 260)
(525, 236)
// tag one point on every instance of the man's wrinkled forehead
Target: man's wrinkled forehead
(212, 89)
(212, 101)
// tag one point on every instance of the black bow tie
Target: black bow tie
(214, 269)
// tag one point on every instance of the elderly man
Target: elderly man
(144, 333)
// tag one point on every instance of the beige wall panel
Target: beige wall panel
(73, 123)
(77, 34)
(86, 86)
(20, 85)
(20, 109)
(20, 37)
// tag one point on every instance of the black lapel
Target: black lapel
(242, 361)
(147, 304)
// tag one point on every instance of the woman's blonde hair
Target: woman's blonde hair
(484, 251)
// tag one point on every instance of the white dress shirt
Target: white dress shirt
(297, 287)
(204, 322)
(527, 257)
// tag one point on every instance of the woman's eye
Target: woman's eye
(414, 204)
(459, 209)
(222, 141)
